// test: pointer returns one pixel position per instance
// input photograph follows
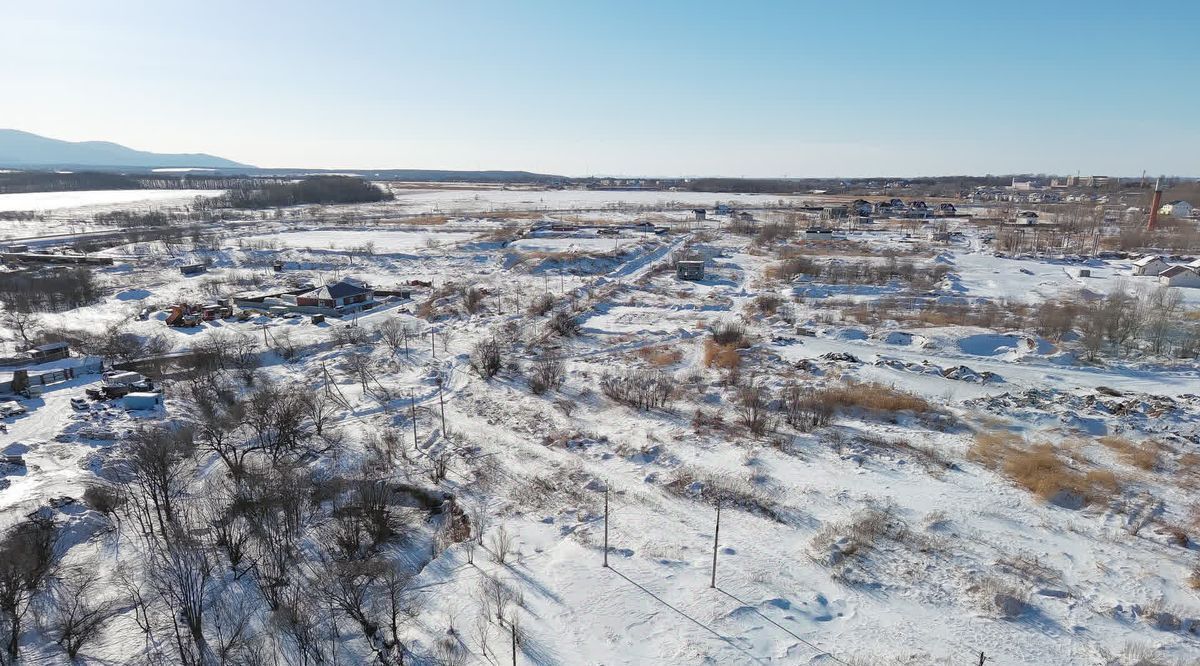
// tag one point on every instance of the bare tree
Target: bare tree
(502, 544)
(360, 366)
(76, 617)
(182, 574)
(157, 460)
(28, 556)
(394, 334)
(24, 324)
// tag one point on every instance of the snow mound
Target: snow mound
(902, 338)
(1004, 344)
(851, 334)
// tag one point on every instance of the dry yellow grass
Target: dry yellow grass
(423, 220)
(871, 396)
(1040, 469)
(1144, 455)
(660, 355)
(721, 356)
(991, 447)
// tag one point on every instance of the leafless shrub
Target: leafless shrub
(486, 358)
(541, 305)
(548, 373)
(347, 335)
(804, 410)
(103, 498)
(752, 404)
(729, 333)
(728, 492)
(638, 389)
(564, 323)
(767, 304)
(1001, 598)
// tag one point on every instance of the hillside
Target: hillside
(23, 149)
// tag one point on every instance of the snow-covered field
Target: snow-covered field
(482, 201)
(89, 199)
(380, 241)
(54, 213)
(910, 523)
(574, 244)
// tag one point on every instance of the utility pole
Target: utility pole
(512, 624)
(605, 526)
(982, 659)
(412, 402)
(442, 403)
(432, 344)
(716, 537)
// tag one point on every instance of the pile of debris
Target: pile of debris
(1144, 411)
(958, 373)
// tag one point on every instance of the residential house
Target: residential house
(1027, 218)
(1149, 265)
(947, 209)
(1176, 209)
(1179, 276)
(346, 294)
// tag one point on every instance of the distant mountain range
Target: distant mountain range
(25, 150)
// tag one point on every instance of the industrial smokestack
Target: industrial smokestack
(1155, 203)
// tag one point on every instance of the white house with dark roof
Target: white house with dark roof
(345, 294)
(1179, 276)
(1150, 264)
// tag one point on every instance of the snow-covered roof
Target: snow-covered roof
(343, 289)
(1175, 270)
(1147, 260)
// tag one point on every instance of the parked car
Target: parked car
(79, 403)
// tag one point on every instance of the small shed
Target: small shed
(193, 269)
(699, 213)
(141, 400)
(50, 352)
(690, 269)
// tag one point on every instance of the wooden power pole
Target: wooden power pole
(716, 538)
(606, 526)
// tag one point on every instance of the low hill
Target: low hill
(24, 149)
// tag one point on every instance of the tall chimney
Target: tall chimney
(1155, 203)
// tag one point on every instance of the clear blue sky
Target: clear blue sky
(639, 88)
